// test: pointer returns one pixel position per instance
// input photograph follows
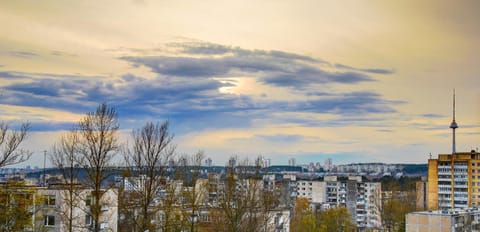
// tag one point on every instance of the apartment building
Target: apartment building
(454, 181)
(457, 220)
(55, 211)
(314, 191)
(361, 198)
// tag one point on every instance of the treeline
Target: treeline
(404, 183)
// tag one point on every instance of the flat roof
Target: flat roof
(446, 212)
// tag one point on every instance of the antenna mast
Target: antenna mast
(453, 125)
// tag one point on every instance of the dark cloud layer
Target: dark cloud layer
(367, 70)
(270, 67)
(186, 89)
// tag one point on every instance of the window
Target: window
(49, 220)
(104, 225)
(104, 207)
(88, 220)
(50, 200)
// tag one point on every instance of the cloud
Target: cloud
(23, 54)
(61, 53)
(367, 70)
(432, 115)
(187, 90)
(10, 75)
(282, 138)
(205, 48)
(275, 68)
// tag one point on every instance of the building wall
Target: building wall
(432, 197)
(421, 191)
(453, 181)
(60, 210)
(443, 220)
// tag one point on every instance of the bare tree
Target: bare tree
(147, 161)
(66, 158)
(97, 144)
(193, 191)
(243, 204)
(10, 140)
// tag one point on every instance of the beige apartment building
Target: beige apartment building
(456, 220)
(453, 181)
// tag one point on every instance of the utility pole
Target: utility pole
(44, 162)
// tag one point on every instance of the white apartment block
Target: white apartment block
(314, 191)
(362, 199)
(55, 211)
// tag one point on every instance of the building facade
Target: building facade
(457, 220)
(454, 181)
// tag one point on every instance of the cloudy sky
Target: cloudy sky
(357, 81)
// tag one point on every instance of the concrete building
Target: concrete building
(443, 220)
(362, 199)
(55, 210)
(421, 192)
(314, 191)
(454, 181)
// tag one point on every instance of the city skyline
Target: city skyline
(310, 80)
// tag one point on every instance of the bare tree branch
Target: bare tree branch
(97, 144)
(10, 140)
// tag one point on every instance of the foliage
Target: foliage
(330, 220)
(17, 204)
(395, 209)
(403, 183)
(336, 219)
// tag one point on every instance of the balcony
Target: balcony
(444, 191)
(445, 205)
(461, 205)
(445, 179)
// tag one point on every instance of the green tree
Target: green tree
(394, 210)
(336, 219)
(18, 203)
(303, 217)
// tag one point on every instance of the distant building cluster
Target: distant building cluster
(361, 197)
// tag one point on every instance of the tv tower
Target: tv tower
(453, 125)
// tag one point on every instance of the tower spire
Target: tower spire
(453, 125)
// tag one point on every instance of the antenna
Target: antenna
(44, 159)
(453, 125)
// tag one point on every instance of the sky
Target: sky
(355, 81)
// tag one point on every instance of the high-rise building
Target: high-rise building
(328, 165)
(291, 162)
(453, 179)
